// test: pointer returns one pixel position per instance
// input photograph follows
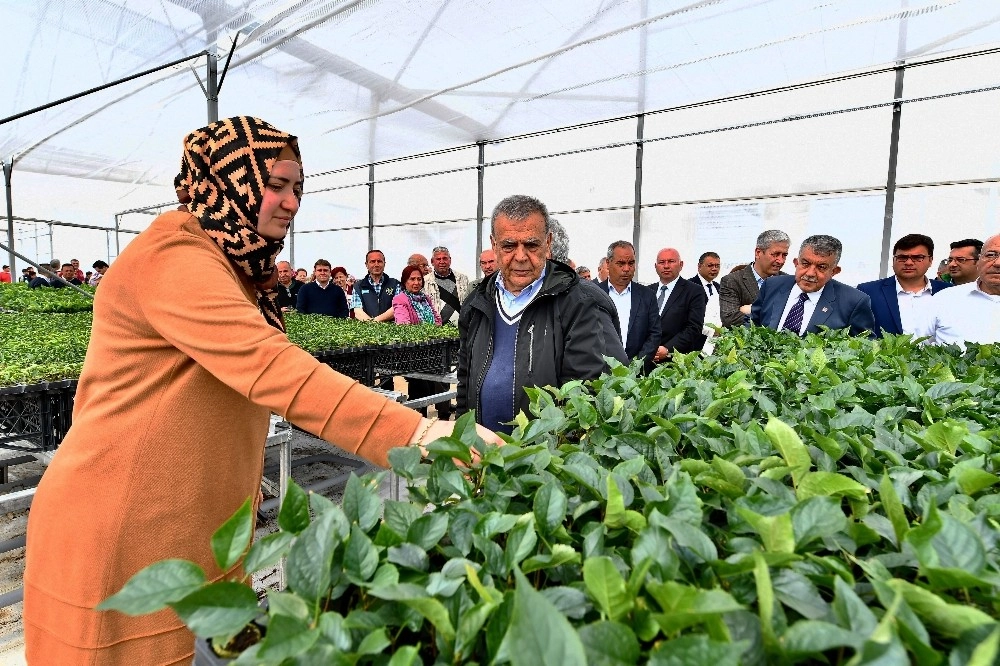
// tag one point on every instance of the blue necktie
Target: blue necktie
(793, 322)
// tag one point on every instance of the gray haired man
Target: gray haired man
(738, 291)
(533, 323)
(811, 298)
(446, 287)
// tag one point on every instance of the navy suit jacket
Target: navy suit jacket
(643, 323)
(840, 306)
(885, 303)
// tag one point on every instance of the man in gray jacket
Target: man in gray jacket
(607, 313)
(529, 324)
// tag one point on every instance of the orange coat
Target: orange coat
(167, 441)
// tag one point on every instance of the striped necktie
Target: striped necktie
(793, 322)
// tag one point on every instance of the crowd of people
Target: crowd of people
(58, 274)
(625, 319)
(539, 321)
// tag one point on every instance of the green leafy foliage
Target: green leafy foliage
(37, 348)
(819, 500)
(44, 333)
(19, 297)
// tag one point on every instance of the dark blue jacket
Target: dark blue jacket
(372, 302)
(840, 306)
(643, 322)
(314, 299)
(885, 303)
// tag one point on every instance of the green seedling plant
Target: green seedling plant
(19, 297)
(44, 334)
(824, 500)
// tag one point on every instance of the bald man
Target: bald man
(682, 307)
(420, 261)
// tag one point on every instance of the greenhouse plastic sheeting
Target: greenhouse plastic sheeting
(363, 81)
(369, 80)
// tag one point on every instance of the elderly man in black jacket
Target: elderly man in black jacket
(529, 324)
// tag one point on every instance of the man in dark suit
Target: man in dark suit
(681, 305)
(638, 315)
(900, 303)
(709, 264)
(739, 290)
(812, 298)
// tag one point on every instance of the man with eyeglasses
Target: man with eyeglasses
(962, 260)
(900, 303)
(970, 312)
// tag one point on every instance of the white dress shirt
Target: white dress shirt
(712, 313)
(808, 308)
(963, 313)
(623, 303)
(666, 295)
(913, 307)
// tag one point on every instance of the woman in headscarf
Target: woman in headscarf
(412, 306)
(172, 407)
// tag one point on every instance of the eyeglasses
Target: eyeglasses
(916, 258)
(959, 260)
(990, 257)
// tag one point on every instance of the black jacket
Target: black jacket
(683, 317)
(288, 296)
(560, 337)
(644, 322)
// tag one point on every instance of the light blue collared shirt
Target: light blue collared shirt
(756, 275)
(514, 305)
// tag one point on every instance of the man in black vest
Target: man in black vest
(376, 290)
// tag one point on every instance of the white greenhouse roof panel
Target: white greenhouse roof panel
(363, 81)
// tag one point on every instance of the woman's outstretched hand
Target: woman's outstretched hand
(431, 429)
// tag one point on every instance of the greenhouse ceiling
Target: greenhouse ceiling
(363, 81)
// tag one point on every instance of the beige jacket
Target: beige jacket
(432, 290)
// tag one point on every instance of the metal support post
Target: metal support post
(637, 207)
(212, 84)
(8, 167)
(371, 207)
(897, 116)
(118, 242)
(890, 184)
(479, 205)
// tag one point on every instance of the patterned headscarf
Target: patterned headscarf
(224, 171)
